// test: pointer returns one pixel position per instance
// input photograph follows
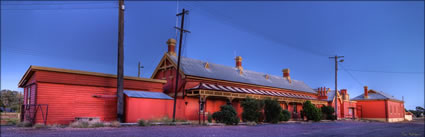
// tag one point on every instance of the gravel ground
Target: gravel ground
(334, 129)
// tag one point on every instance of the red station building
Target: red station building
(60, 96)
(376, 105)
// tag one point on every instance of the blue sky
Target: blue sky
(383, 42)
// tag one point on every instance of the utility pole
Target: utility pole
(336, 82)
(120, 72)
(184, 12)
(138, 68)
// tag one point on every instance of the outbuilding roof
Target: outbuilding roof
(195, 67)
(146, 94)
(33, 68)
(374, 95)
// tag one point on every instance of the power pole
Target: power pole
(336, 82)
(120, 73)
(184, 12)
(138, 68)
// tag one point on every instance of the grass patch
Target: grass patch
(24, 124)
(11, 121)
(114, 124)
(96, 124)
(39, 126)
(79, 124)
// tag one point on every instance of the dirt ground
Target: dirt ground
(326, 129)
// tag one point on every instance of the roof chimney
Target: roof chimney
(171, 46)
(239, 62)
(343, 91)
(322, 93)
(286, 74)
(345, 95)
(365, 92)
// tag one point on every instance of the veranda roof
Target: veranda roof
(216, 87)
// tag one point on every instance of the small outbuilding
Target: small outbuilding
(60, 96)
(377, 105)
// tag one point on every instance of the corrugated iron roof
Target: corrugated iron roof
(331, 95)
(146, 94)
(372, 94)
(215, 71)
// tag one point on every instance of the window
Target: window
(295, 107)
(28, 96)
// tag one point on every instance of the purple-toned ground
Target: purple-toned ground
(331, 129)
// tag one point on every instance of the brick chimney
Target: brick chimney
(239, 62)
(365, 92)
(344, 94)
(322, 93)
(286, 74)
(171, 46)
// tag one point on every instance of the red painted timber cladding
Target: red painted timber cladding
(395, 109)
(147, 109)
(69, 101)
(88, 80)
(29, 108)
(71, 95)
(372, 109)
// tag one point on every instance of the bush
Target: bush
(311, 111)
(328, 112)
(251, 109)
(226, 115)
(272, 110)
(142, 123)
(285, 115)
(209, 118)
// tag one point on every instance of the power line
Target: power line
(249, 28)
(55, 3)
(351, 75)
(61, 8)
(375, 71)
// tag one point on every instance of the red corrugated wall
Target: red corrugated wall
(147, 109)
(395, 109)
(372, 109)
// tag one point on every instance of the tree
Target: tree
(328, 112)
(311, 111)
(11, 99)
(272, 110)
(227, 115)
(251, 109)
(285, 115)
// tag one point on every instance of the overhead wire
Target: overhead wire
(351, 75)
(58, 6)
(248, 27)
(375, 71)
